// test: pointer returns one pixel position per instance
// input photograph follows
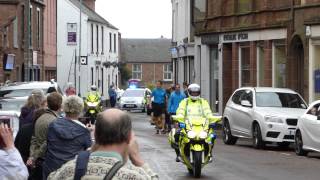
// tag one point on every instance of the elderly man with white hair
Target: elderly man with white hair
(66, 136)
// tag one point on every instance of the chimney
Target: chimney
(90, 4)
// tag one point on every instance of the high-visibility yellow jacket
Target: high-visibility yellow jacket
(199, 108)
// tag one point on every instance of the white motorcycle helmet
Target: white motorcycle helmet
(93, 87)
(194, 91)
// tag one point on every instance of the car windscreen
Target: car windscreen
(279, 99)
(17, 92)
(133, 93)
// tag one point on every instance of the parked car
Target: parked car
(263, 114)
(12, 104)
(307, 137)
(23, 89)
(12, 119)
(134, 99)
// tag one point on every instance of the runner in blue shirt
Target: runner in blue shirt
(158, 106)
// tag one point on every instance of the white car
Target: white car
(134, 99)
(307, 136)
(264, 114)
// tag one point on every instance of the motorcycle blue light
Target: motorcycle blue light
(182, 125)
(213, 136)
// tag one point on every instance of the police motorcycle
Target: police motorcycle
(92, 107)
(195, 142)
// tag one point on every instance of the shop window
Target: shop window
(185, 69)
(245, 66)
(191, 70)
(279, 66)
(260, 65)
(136, 71)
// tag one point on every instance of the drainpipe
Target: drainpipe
(80, 24)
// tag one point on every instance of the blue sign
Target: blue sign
(317, 81)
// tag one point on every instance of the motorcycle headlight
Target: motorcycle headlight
(191, 134)
(203, 135)
(273, 119)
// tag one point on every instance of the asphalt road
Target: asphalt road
(238, 162)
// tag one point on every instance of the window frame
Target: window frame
(137, 72)
(166, 71)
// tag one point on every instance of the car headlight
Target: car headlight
(191, 134)
(203, 135)
(273, 119)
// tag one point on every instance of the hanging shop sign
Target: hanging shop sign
(72, 34)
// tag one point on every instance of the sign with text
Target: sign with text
(72, 34)
(235, 37)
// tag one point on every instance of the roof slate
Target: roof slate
(145, 50)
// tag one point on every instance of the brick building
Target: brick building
(21, 40)
(256, 43)
(148, 60)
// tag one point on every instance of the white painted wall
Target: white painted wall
(68, 13)
(181, 20)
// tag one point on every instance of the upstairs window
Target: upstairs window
(167, 72)
(136, 71)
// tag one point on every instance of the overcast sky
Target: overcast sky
(138, 18)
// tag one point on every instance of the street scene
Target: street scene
(159, 89)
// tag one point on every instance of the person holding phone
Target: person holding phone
(11, 163)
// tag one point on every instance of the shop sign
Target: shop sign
(235, 37)
(317, 80)
(210, 39)
(72, 34)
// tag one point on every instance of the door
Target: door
(245, 113)
(214, 79)
(234, 111)
(312, 128)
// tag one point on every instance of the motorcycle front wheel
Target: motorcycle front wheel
(197, 162)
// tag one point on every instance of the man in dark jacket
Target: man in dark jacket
(66, 137)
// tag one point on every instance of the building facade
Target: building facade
(50, 40)
(182, 50)
(88, 51)
(21, 40)
(148, 60)
(256, 43)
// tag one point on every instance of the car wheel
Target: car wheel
(299, 145)
(227, 136)
(258, 143)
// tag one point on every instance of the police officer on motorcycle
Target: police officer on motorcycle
(195, 106)
(93, 97)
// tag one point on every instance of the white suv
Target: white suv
(263, 114)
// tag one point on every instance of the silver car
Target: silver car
(262, 114)
(134, 99)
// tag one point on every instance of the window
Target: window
(102, 80)
(102, 40)
(6, 37)
(236, 96)
(260, 65)
(38, 28)
(30, 26)
(91, 38)
(110, 42)
(15, 33)
(115, 42)
(136, 71)
(246, 96)
(244, 6)
(167, 72)
(280, 62)
(279, 99)
(92, 76)
(97, 28)
(199, 10)
(245, 66)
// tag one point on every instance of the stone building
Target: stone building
(256, 43)
(21, 40)
(148, 60)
